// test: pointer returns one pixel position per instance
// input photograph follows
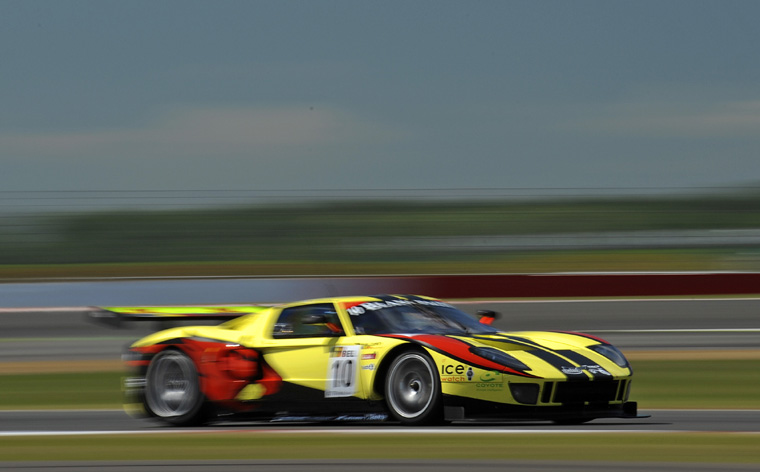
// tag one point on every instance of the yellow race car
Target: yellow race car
(412, 359)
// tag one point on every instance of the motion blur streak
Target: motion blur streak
(496, 230)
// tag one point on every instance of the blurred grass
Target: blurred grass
(518, 263)
(690, 383)
(97, 390)
(704, 383)
(633, 447)
(387, 237)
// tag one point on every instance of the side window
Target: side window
(308, 321)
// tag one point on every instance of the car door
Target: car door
(308, 348)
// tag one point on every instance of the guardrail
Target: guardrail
(233, 290)
(589, 285)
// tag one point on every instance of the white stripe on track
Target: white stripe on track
(382, 431)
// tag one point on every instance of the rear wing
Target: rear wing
(115, 316)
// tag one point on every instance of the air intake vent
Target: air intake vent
(582, 392)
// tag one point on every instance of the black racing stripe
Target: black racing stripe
(521, 341)
(597, 371)
(503, 338)
(559, 362)
(573, 373)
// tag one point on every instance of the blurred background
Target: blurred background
(341, 137)
(50, 234)
(235, 138)
(196, 138)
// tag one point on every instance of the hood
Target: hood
(547, 355)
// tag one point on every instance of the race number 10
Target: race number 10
(342, 372)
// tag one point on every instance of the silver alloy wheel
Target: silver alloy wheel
(410, 389)
(172, 385)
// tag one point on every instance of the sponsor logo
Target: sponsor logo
(460, 374)
(372, 306)
(454, 379)
(488, 376)
(571, 370)
(367, 417)
(368, 356)
(345, 351)
(592, 369)
(485, 381)
(489, 381)
(356, 311)
(458, 369)
(595, 369)
(368, 367)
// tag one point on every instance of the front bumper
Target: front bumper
(458, 408)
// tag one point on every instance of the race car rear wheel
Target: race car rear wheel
(413, 391)
(172, 391)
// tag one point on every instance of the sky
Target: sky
(329, 95)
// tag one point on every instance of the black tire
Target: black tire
(172, 390)
(413, 390)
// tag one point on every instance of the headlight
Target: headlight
(499, 357)
(612, 353)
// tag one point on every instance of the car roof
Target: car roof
(359, 298)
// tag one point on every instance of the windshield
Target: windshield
(413, 316)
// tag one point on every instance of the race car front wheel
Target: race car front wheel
(172, 391)
(413, 391)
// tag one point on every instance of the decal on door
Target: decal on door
(342, 371)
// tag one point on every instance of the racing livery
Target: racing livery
(412, 359)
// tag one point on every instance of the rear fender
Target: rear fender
(225, 370)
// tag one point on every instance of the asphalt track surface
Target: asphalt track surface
(71, 422)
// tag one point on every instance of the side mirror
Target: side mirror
(487, 317)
